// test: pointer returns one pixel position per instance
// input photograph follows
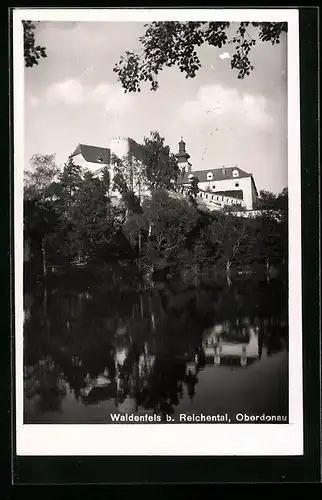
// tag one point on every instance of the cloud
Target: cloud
(68, 92)
(110, 97)
(33, 101)
(224, 55)
(227, 103)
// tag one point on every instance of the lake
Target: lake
(96, 350)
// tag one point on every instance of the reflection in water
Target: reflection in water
(241, 346)
(155, 351)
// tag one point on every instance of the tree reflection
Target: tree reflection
(142, 348)
(44, 384)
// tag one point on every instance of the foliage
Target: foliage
(147, 167)
(271, 201)
(167, 44)
(32, 52)
(106, 180)
(132, 202)
(194, 185)
(272, 225)
(161, 167)
(74, 217)
(128, 174)
(40, 176)
(41, 222)
(231, 234)
(169, 222)
(40, 218)
(93, 218)
(65, 190)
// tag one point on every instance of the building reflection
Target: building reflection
(131, 353)
(237, 344)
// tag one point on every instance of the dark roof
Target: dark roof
(219, 174)
(93, 154)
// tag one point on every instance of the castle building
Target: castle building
(95, 159)
(227, 182)
(230, 181)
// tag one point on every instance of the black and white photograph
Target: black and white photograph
(157, 207)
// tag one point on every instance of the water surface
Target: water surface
(95, 352)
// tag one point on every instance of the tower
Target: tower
(183, 157)
(119, 147)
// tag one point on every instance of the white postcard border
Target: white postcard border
(165, 439)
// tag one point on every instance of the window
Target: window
(235, 173)
(209, 176)
(214, 186)
(236, 184)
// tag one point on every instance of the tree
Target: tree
(40, 221)
(97, 225)
(272, 237)
(194, 185)
(32, 52)
(132, 202)
(167, 44)
(69, 183)
(266, 200)
(161, 166)
(273, 205)
(40, 217)
(168, 222)
(40, 177)
(232, 235)
(201, 251)
(63, 193)
(129, 174)
(106, 180)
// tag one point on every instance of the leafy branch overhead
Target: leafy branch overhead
(167, 44)
(32, 52)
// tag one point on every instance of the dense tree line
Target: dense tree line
(70, 217)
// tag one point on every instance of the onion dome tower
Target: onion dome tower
(183, 158)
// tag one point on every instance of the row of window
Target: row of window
(210, 174)
(219, 198)
(214, 197)
(213, 186)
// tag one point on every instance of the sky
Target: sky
(73, 97)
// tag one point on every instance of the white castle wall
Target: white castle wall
(211, 201)
(91, 166)
(245, 184)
